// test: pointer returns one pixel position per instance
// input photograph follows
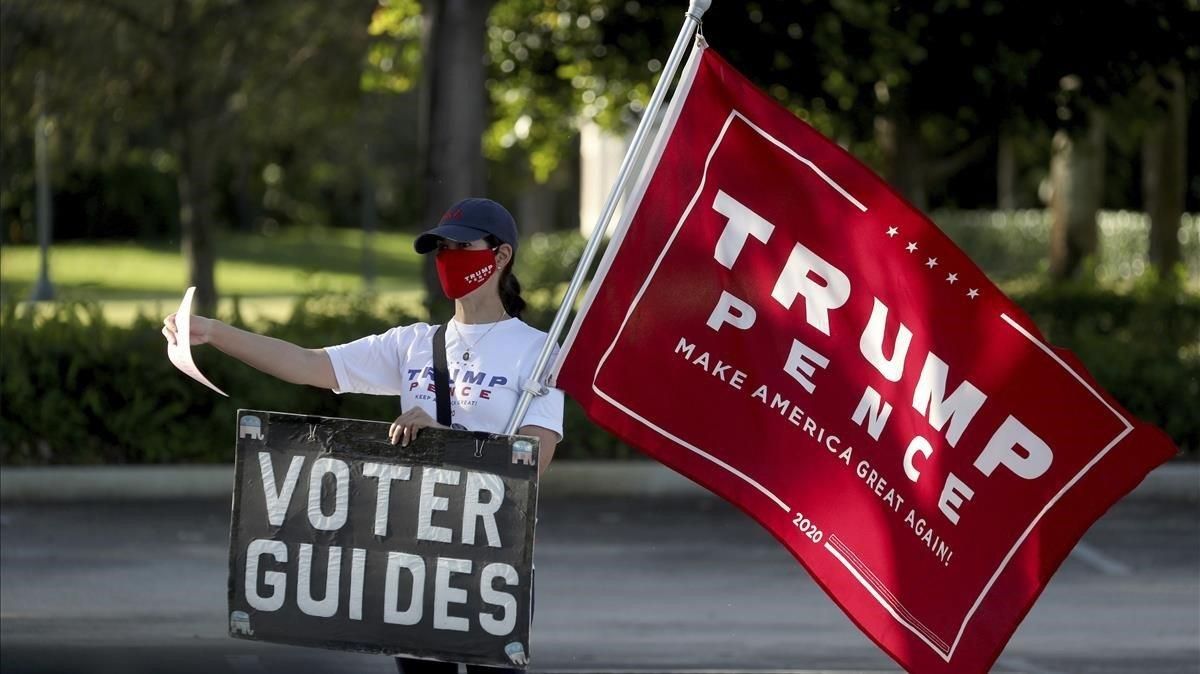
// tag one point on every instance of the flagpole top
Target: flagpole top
(697, 8)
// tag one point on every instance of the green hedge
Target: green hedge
(77, 390)
(1142, 346)
(1011, 245)
(74, 389)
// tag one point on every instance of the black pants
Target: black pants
(411, 666)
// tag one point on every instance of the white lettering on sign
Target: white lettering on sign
(929, 398)
(415, 567)
(328, 605)
(825, 289)
(720, 369)
(276, 580)
(919, 445)
(731, 311)
(871, 344)
(415, 587)
(1000, 451)
(954, 492)
(341, 496)
(685, 348)
(490, 595)
(358, 566)
(743, 223)
(823, 286)
(430, 479)
(445, 594)
(386, 473)
(278, 500)
(404, 591)
(802, 363)
(475, 510)
(869, 409)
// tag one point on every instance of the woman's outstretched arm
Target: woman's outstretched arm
(284, 360)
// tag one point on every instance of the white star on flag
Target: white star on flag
(952, 278)
(972, 293)
(931, 262)
(892, 231)
(911, 247)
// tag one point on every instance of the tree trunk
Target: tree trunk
(196, 219)
(537, 205)
(368, 214)
(903, 158)
(457, 100)
(1164, 174)
(241, 188)
(1077, 176)
(1006, 173)
(196, 168)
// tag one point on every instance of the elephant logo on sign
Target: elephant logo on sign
(250, 428)
(516, 652)
(522, 452)
(239, 623)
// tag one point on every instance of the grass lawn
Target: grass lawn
(265, 272)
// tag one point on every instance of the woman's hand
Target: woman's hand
(406, 426)
(201, 329)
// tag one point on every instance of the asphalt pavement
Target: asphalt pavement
(624, 585)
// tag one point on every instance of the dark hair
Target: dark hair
(510, 287)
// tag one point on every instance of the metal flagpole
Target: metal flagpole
(535, 386)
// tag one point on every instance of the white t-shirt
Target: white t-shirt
(485, 389)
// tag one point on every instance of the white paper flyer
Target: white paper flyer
(180, 352)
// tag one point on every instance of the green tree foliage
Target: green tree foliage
(948, 74)
(394, 56)
(157, 102)
(188, 84)
(555, 65)
(924, 91)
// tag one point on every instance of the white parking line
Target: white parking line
(1100, 561)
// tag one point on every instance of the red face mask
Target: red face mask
(462, 271)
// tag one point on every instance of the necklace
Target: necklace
(466, 354)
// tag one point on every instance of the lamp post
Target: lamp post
(43, 290)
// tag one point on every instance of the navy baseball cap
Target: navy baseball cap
(470, 220)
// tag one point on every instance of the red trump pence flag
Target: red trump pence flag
(774, 322)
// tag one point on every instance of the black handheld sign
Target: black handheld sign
(343, 540)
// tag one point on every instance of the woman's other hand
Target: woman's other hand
(201, 329)
(406, 426)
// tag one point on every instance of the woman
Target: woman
(490, 352)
